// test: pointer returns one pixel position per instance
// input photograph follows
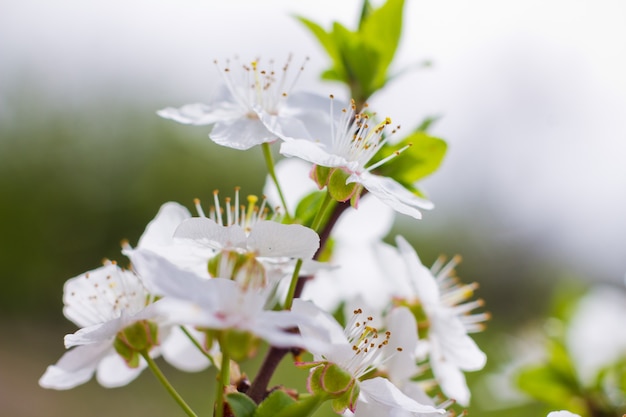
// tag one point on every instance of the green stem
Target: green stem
(157, 372)
(293, 284)
(222, 380)
(321, 214)
(197, 344)
(269, 161)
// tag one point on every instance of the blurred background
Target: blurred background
(531, 98)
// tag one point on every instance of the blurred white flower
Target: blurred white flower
(352, 142)
(255, 106)
(358, 349)
(596, 334)
(102, 302)
(451, 350)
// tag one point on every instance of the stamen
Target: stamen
(218, 211)
(389, 158)
(196, 202)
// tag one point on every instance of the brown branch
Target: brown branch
(258, 389)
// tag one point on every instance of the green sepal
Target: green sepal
(314, 381)
(130, 356)
(337, 187)
(240, 345)
(347, 400)
(335, 381)
(275, 402)
(320, 175)
(422, 157)
(140, 336)
(240, 404)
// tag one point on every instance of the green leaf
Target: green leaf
(554, 382)
(544, 384)
(303, 407)
(381, 30)
(275, 402)
(309, 206)
(361, 58)
(422, 158)
(240, 404)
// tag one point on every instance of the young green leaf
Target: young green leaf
(240, 404)
(275, 402)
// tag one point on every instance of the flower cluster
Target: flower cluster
(208, 289)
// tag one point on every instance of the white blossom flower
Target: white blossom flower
(351, 143)
(357, 350)
(450, 348)
(400, 367)
(217, 303)
(246, 246)
(562, 414)
(103, 302)
(255, 106)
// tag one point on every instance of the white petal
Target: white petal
(450, 378)
(160, 231)
(75, 367)
(207, 232)
(457, 346)
(195, 114)
(403, 327)
(562, 414)
(420, 276)
(371, 222)
(164, 278)
(393, 194)
(381, 391)
(180, 352)
(327, 329)
(274, 239)
(313, 152)
(98, 333)
(113, 372)
(242, 133)
(303, 116)
(90, 298)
